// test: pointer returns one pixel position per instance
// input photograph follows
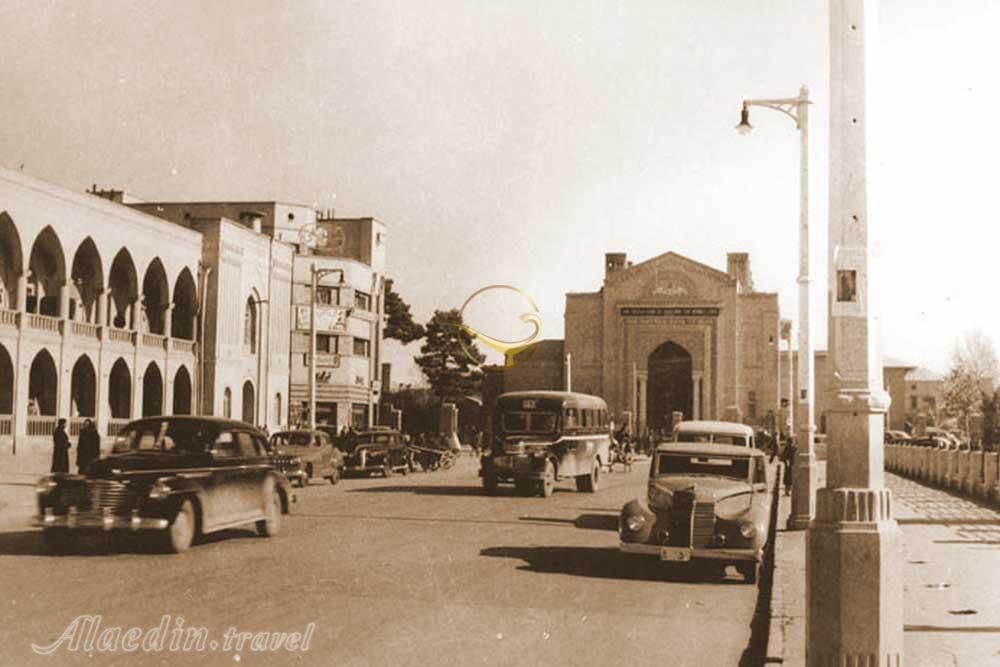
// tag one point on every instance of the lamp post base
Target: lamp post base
(855, 591)
(804, 479)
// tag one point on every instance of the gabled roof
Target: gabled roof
(670, 254)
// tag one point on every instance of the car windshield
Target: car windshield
(291, 439)
(529, 422)
(691, 436)
(736, 467)
(166, 436)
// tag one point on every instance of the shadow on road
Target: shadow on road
(606, 563)
(584, 521)
(95, 543)
(425, 490)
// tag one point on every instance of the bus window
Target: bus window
(571, 418)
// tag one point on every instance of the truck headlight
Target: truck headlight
(635, 522)
(747, 529)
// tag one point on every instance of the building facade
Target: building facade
(348, 256)
(667, 335)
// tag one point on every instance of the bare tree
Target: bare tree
(972, 378)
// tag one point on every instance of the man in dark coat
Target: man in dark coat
(788, 458)
(60, 448)
(88, 447)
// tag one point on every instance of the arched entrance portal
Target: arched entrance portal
(83, 388)
(669, 387)
(6, 382)
(120, 390)
(42, 385)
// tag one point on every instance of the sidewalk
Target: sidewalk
(18, 474)
(951, 575)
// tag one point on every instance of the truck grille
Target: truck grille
(702, 525)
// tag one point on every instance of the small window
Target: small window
(327, 344)
(913, 402)
(224, 444)
(361, 347)
(752, 405)
(245, 444)
(362, 300)
(760, 471)
(328, 296)
(847, 286)
(571, 418)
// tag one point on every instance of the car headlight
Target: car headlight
(747, 529)
(159, 490)
(44, 485)
(635, 522)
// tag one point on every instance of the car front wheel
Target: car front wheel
(180, 535)
(271, 523)
(589, 482)
(547, 484)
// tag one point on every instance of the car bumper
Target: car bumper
(103, 521)
(755, 555)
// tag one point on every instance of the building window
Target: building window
(328, 296)
(913, 402)
(277, 409)
(752, 405)
(250, 326)
(359, 415)
(361, 347)
(227, 403)
(362, 300)
(327, 344)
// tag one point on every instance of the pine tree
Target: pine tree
(400, 324)
(449, 357)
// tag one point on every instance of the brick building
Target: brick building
(668, 334)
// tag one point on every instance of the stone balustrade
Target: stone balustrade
(969, 473)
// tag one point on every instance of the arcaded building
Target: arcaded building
(667, 335)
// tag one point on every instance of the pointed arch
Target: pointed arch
(120, 390)
(124, 283)
(182, 392)
(155, 297)
(87, 273)
(43, 383)
(12, 266)
(152, 391)
(249, 403)
(47, 266)
(250, 324)
(83, 388)
(6, 382)
(185, 306)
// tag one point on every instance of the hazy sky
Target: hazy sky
(517, 142)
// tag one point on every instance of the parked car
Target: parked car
(304, 455)
(719, 432)
(379, 450)
(178, 477)
(897, 438)
(705, 502)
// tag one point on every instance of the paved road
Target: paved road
(416, 570)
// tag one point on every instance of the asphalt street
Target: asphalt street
(421, 569)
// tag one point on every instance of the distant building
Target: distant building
(669, 334)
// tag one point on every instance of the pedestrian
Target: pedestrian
(88, 447)
(60, 448)
(788, 458)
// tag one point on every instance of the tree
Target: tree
(972, 378)
(400, 324)
(449, 357)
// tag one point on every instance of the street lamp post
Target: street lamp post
(804, 475)
(315, 275)
(854, 578)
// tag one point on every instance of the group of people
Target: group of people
(88, 446)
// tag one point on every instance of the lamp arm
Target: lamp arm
(790, 106)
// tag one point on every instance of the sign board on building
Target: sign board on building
(661, 311)
(329, 319)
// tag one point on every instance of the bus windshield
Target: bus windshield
(530, 422)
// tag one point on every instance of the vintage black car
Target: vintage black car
(378, 450)
(704, 502)
(180, 477)
(303, 455)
